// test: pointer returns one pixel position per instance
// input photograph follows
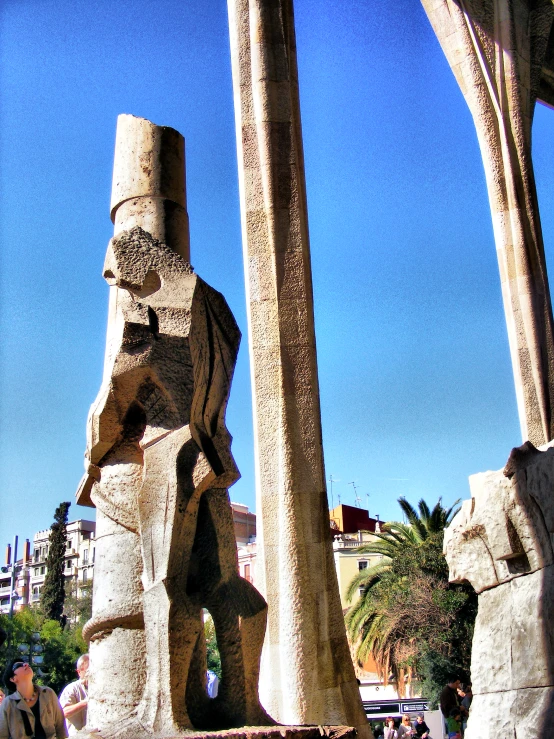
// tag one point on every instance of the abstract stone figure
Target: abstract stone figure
(502, 543)
(158, 467)
(497, 50)
(307, 674)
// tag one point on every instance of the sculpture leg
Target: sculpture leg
(168, 505)
(239, 613)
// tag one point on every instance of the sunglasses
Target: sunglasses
(17, 665)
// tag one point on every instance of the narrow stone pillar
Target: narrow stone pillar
(307, 674)
(496, 49)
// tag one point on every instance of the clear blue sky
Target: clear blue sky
(415, 375)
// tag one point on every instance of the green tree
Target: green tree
(78, 602)
(53, 591)
(212, 650)
(409, 618)
(61, 647)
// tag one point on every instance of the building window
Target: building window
(93, 554)
(85, 556)
(42, 570)
(85, 575)
(37, 555)
(247, 573)
(69, 544)
(68, 564)
(37, 571)
(362, 564)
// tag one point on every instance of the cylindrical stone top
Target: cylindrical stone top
(149, 162)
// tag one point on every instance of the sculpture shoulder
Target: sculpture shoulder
(210, 301)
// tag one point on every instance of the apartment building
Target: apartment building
(80, 552)
(18, 589)
(79, 557)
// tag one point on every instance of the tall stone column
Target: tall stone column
(307, 674)
(496, 49)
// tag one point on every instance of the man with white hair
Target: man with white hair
(74, 698)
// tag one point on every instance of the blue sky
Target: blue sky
(415, 375)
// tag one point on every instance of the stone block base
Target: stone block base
(528, 712)
(244, 732)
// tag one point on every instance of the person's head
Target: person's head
(405, 719)
(82, 668)
(455, 714)
(2, 695)
(467, 689)
(389, 721)
(453, 681)
(420, 718)
(17, 673)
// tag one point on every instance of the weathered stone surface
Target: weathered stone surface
(258, 732)
(502, 543)
(307, 674)
(148, 187)
(514, 713)
(497, 50)
(506, 529)
(158, 465)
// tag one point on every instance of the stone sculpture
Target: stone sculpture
(501, 541)
(497, 50)
(158, 464)
(307, 674)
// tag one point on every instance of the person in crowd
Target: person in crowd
(405, 728)
(420, 727)
(74, 697)
(464, 706)
(389, 731)
(454, 724)
(377, 730)
(29, 710)
(449, 698)
(468, 697)
(2, 695)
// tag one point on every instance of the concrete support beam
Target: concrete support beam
(497, 50)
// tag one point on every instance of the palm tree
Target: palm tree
(400, 590)
(395, 538)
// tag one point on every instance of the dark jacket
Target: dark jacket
(448, 700)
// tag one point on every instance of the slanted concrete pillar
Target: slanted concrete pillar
(496, 49)
(307, 674)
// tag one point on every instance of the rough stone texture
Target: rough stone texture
(263, 732)
(502, 543)
(497, 50)
(307, 674)
(158, 464)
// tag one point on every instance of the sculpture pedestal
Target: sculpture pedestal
(245, 732)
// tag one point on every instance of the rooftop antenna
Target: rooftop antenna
(358, 502)
(332, 480)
